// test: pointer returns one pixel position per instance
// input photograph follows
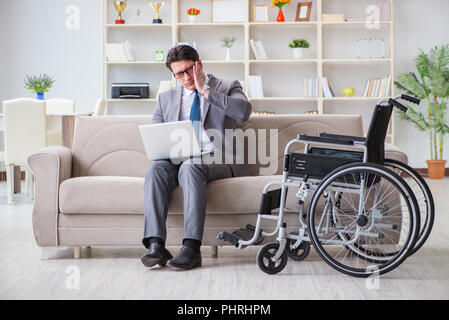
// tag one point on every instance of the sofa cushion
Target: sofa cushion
(124, 195)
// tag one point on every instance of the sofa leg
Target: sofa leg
(10, 183)
(77, 252)
(214, 251)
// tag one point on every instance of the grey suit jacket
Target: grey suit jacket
(225, 106)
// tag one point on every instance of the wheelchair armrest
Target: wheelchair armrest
(306, 138)
(342, 137)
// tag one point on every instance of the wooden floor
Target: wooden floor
(117, 273)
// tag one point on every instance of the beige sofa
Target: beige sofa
(92, 195)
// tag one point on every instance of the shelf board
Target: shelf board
(137, 26)
(353, 98)
(134, 62)
(352, 23)
(284, 61)
(211, 24)
(131, 100)
(283, 99)
(356, 60)
(223, 61)
(289, 23)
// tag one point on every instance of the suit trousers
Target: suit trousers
(192, 176)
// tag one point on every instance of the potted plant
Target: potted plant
(193, 14)
(39, 84)
(298, 46)
(432, 86)
(280, 3)
(227, 43)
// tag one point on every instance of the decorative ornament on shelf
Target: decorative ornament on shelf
(228, 43)
(193, 14)
(138, 18)
(120, 7)
(298, 46)
(156, 7)
(280, 4)
(159, 55)
(348, 91)
(39, 85)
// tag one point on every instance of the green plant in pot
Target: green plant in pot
(39, 84)
(431, 85)
(228, 42)
(298, 46)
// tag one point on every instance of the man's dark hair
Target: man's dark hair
(181, 52)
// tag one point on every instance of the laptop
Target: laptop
(171, 141)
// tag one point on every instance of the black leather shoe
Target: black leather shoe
(158, 255)
(186, 259)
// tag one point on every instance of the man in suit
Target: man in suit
(211, 103)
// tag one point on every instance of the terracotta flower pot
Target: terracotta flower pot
(436, 168)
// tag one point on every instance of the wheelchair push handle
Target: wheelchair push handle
(398, 105)
(410, 99)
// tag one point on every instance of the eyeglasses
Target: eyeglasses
(180, 74)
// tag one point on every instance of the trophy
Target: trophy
(120, 7)
(157, 6)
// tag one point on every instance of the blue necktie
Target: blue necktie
(195, 114)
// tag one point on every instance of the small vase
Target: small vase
(436, 168)
(40, 96)
(280, 17)
(228, 54)
(192, 18)
(298, 53)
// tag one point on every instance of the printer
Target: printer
(130, 90)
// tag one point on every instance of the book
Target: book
(387, 86)
(370, 88)
(259, 49)
(255, 87)
(130, 51)
(330, 88)
(262, 50)
(254, 49)
(365, 92)
(326, 90)
(382, 87)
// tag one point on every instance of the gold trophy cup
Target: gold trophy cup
(120, 7)
(156, 7)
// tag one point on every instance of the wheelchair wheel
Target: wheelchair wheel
(264, 261)
(363, 219)
(423, 195)
(300, 252)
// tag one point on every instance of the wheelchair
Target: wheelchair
(365, 214)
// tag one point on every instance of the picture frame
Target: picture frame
(228, 11)
(260, 13)
(303, 11)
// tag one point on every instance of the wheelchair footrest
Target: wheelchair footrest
(244, 234)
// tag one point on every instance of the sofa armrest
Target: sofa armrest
(50, 167)
(393, 152)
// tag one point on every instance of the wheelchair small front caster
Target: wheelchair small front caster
(264, 261)
(299, 253)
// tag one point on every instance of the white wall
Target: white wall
(35, 40)
(418, 24)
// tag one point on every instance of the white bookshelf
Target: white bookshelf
(332, 54)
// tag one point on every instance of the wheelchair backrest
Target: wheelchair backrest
(377, 132)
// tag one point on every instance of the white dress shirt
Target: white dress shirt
(186, 104)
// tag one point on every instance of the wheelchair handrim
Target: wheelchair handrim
(389, 175)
